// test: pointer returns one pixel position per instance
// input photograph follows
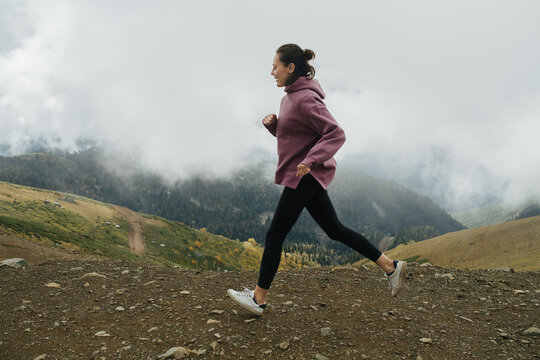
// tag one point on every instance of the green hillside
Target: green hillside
(86, 226)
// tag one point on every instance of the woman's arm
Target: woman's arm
(332, 135)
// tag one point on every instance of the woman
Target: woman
(307, 139)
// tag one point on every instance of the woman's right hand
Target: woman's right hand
(269, 119)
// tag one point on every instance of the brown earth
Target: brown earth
(36, 251)
(146, 310)
(136, 229)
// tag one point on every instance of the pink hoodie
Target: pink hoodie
(306, 133)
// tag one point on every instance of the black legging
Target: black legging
(311, 195)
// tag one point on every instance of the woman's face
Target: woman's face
(280, 71)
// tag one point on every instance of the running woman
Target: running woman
(307, 139)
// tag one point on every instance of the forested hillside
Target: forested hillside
(494, 214)
(239, 206)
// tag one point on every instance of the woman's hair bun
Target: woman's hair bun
(309, 54)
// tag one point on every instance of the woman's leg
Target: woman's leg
(289, 208)
(321, 209)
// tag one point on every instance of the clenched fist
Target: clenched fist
(302, 170)
(269, 119)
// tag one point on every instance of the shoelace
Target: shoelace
(245, 292)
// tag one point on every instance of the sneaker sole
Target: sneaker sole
(401, 276)
(251, 310)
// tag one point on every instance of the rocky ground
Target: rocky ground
(70, 309)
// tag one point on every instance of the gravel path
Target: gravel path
(121, 310)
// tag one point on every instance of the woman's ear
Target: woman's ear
(291, 68)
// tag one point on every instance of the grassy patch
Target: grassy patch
(416, 260)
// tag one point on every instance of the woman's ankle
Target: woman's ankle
(260, 295)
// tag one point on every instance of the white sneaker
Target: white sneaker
(395, 280)
(246, 300)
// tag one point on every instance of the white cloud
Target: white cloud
(185, 84)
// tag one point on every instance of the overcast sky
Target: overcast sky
(184, 85)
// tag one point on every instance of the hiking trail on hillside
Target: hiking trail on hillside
(136, 228)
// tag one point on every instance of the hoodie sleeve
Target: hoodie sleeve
(332, 136)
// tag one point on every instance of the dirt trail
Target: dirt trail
(136, 227)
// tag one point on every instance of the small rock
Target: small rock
(426, 340)
(14, 263)
(185, 292)
(76, 268)
(326, 331)
(320, 357)
(249, 320)
(235, 338)
(41, 357)
(288, 303)
(94, 274)
(284, 345)
(532, 331)
(447, 276)
(218, 335)
(86, 284)
(119, 309)
(155, 328)
(52, 285)
(102, 334)
(425, 264)
(504, 335)
(178, 352)
(214, 345)
(212, 321)
(125, 272)
(516, 292)
(217, 311)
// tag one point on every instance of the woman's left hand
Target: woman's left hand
(302, 170)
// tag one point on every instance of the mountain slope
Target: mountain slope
(494, 214)
(514, 244)
(88, 227)
(239, 206)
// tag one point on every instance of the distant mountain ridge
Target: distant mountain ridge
(241, 205)
(493, 214)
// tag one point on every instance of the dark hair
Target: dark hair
(292, 53)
